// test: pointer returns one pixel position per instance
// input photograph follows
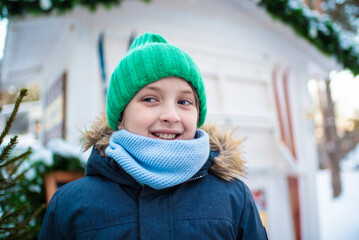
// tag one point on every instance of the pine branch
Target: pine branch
(34, 214)
(22, 156)
(20, 159)
(11, 119)
(5, 229)
(7, 150)
(6, 184)
(24, 230)
(8, 215)
(21, 176)
(8, 229)
(24, 234)
(18, 233)
(11, 183)
(16, 214)
(3, 194)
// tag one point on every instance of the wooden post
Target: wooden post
(331, 141)
(317, 6)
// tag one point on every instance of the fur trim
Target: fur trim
(229, 164)
(99, 135)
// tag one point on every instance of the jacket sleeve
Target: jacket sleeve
(250, 225)
(50, 227)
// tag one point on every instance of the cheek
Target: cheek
(190, 125)
(192, 120)
(140, 120)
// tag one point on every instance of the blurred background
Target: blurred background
(281, 73)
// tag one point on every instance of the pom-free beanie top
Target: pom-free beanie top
(149, 59)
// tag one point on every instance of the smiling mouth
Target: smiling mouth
(166, 136)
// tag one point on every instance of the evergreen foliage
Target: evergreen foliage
(345, 13)
(18, 8)
(16, 215)
(22, 187)
(319, 31)
(33, 185)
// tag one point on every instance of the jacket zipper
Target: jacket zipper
(196, 178)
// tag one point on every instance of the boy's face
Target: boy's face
(165, 109)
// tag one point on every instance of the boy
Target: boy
(152, 173)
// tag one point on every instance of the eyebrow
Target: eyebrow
(190, 91)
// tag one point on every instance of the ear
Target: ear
(120, 124)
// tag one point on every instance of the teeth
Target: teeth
(167, 136)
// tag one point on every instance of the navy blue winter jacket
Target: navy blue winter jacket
(109, 204)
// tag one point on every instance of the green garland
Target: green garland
(18, 8)
(319, 31)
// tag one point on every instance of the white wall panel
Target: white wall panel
(247, 98)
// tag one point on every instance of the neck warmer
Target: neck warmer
(159, 163)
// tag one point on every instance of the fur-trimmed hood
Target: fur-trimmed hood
(228, 165)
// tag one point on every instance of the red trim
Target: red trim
(292, 181)
(291, 144)
(293, 185)
(277, 101)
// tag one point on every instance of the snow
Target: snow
(60, 146)
(339, 217)
(44, 154)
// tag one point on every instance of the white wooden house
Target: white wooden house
(255, 71)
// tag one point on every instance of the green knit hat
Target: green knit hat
(149, 59)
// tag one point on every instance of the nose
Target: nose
(169, 114)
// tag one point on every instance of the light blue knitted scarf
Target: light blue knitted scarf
(159, 163)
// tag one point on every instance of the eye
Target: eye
(184, 102)
(149, 99)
